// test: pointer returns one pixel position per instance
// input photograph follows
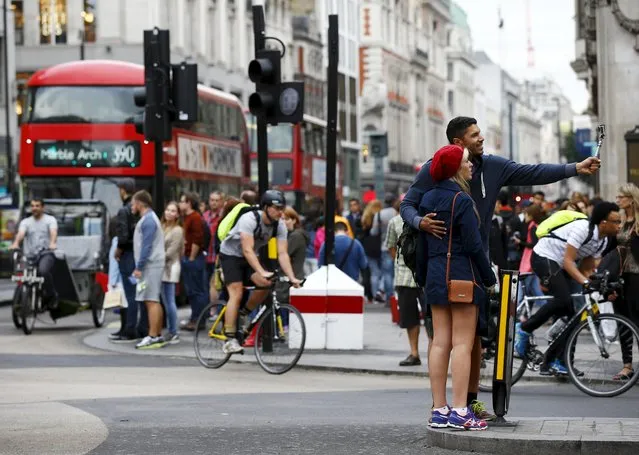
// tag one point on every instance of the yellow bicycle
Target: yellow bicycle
(278, 329)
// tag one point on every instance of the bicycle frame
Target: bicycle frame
(588, 311)
(262, 308)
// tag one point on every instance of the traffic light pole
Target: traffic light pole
(331, 137)
(259, 34)
(158, 182)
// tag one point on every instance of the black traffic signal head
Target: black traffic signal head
(266, 68)
(139, 96)
(274, 100)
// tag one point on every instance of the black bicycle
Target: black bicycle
(591, 357)
(27, 299)
(278, 329)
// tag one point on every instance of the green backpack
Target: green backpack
(230, 220)
(557, 220)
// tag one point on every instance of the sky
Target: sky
(553, 38)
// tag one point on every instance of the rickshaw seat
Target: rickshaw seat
(63, 279)
(80, 251)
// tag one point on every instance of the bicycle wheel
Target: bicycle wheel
(15, 308)
(592, 368)
(487, 369)
(208, 349)
(279, 350)
(97, 305)
(28, 308)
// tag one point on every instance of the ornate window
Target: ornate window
(53, 21)
(88, 16)
(18, 20)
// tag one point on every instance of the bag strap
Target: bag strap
(450, 244)
(348, 251)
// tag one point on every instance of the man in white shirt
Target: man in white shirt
(40, 233)
(554, 260)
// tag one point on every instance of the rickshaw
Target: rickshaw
(79, 274)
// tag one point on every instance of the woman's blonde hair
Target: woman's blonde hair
(372, 209)
(632, 191)
(457, 178)
(178, 222)
(289, 212)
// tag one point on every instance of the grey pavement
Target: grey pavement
(6, 290)
(385, 344)
(550, 436)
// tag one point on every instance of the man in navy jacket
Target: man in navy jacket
(490, 174)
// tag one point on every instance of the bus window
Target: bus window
(62, 104)
(319, 141)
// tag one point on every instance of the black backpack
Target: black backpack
(407, 247)
(206, 239)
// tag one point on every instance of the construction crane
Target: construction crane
(531, 49)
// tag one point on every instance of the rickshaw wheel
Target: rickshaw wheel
(15, 308)
(97, 305)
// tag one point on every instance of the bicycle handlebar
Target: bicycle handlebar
(600, 282)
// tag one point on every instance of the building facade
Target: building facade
(8, 119)
(403, 85)
(487, 102)
(607, 60)
(217, 35)
(460, 70)
(555, 113)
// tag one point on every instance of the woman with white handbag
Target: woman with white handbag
(114, 297)
(173, 246)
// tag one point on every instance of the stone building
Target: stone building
(607, 60)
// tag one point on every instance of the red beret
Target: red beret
(446, 162)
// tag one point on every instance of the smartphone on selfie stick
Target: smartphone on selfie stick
(601, 134)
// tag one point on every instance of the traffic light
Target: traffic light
(274, 100)
(378, 145)
(155, 124)
(184, 92)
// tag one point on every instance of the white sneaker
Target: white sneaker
(150, 343)
(172, 338)
(232, 347)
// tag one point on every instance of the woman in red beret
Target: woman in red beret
(454, 324)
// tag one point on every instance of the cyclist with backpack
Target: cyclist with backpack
(564, 243)
(241, 265)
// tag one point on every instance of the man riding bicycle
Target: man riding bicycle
(40, 233)
(554, 260)
(241, 265)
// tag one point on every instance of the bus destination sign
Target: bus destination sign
(87, 154)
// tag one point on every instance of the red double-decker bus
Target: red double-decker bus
(296, 160)
(78, 137)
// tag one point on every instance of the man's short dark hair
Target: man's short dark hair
(340, 226)
(192, 198)
(457, 127)
(249, 197)
(595, 201)
(144, 198)
(601, 211)
(37, 199)
(503, 198)
(353, 199)
(539, 193)
(127, 184)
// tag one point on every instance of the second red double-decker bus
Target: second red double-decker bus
(78, 136)
(296, 160)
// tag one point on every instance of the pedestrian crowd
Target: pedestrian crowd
(469, 227)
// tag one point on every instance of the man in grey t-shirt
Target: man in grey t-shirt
(40, 232)
(241, 265)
